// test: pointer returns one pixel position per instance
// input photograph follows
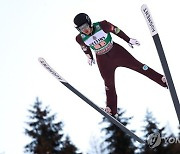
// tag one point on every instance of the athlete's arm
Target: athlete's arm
(108, 27)
(86, 50)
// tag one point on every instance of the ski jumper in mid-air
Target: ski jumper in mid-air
(110, 55)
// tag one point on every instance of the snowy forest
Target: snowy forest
(48, 137)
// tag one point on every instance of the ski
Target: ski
(88, 101)
(162, 57)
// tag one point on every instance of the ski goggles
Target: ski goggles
(83, 27)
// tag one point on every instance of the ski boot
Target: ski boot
(108, 110)
(164, 80)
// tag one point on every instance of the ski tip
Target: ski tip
(144, 9)
(149, 19)
(40, 59)
(51, 70)
(144, 6)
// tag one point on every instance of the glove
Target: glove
(133, 42)
(91, 61)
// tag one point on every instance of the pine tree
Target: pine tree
(47, 136)
(151, 128)
(68, 147)
(118, 142)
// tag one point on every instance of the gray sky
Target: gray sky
(33, 28)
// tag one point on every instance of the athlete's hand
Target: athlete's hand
(133, 42)
(91, 61)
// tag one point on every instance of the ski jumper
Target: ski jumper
(110, 55)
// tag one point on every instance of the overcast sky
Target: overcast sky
(33, 28)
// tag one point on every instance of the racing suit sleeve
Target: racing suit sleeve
(108, 27)
(84, 47)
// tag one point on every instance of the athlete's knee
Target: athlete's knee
(145, 67)
(141, 68)
(109, 86)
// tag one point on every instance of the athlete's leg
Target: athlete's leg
(107, 71)
(111, 96)
(124, 58)
(135, 65)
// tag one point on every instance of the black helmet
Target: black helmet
(81, 19)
